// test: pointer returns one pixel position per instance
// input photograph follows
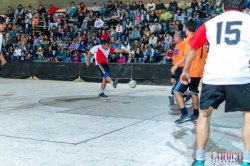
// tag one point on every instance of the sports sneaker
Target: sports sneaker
(245, 164)
(194, 118)
(171, 99)
(115, 82)
(198, 163)
(183, 119)
(102, 95)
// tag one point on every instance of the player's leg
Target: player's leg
(202, 135)
(178, 93)
(246, 138)
(108, 78)
(193, 88)
(238, 100)
(211, 97)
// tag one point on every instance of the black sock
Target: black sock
(184, 111)
(196, 112)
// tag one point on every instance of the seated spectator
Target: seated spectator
(152, 17)
(41, 11)
(82, 9)
(152, 27)
(118, 31)
(136, 43)
(135, 34)
(157, 56)
(130, 58)
(141, 7)
(19, 13)
(39, 55)
(98, 23)
(144, 39)
(117, 45)
(152, 40)
(109, 9)
(61, 54)
(133, 9)
(138, 18)
(48, 53)
(122, 58)
(169, 55)
(113, 58)
(149, 53)
(173, 6)
(104, 35)
(75, 57)
(114, 20)
(157, 28)
(126, 47)
(128, 23)
(138, 55)
(159, 8)
(150, 6)
(52, 9)
(73, 45)
(17, 53)
(72, 10)
(85, 38)
(96, 9)
(82, 47)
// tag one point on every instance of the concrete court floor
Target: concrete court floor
(59, 123)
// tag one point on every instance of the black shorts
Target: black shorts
(177, 73)
(237, 97)
(192, 86)
(104, 69)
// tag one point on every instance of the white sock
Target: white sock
(246, 157)
(101, 91)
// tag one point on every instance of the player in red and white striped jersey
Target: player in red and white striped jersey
(2, 26)
(227, 72)
(101, 53)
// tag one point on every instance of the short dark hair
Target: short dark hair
(105, 42)
(233, 4)
(190, 25)
(2, 20)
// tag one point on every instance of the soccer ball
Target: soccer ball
(132, 84)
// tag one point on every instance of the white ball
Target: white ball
(132, 84)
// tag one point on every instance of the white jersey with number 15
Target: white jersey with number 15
(229, 48)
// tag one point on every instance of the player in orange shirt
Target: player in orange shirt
(178, 54)
(196, 73)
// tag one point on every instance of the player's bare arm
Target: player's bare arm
(88, 58)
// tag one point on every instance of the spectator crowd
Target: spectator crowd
(145, 30)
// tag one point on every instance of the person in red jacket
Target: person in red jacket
(52, 9)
